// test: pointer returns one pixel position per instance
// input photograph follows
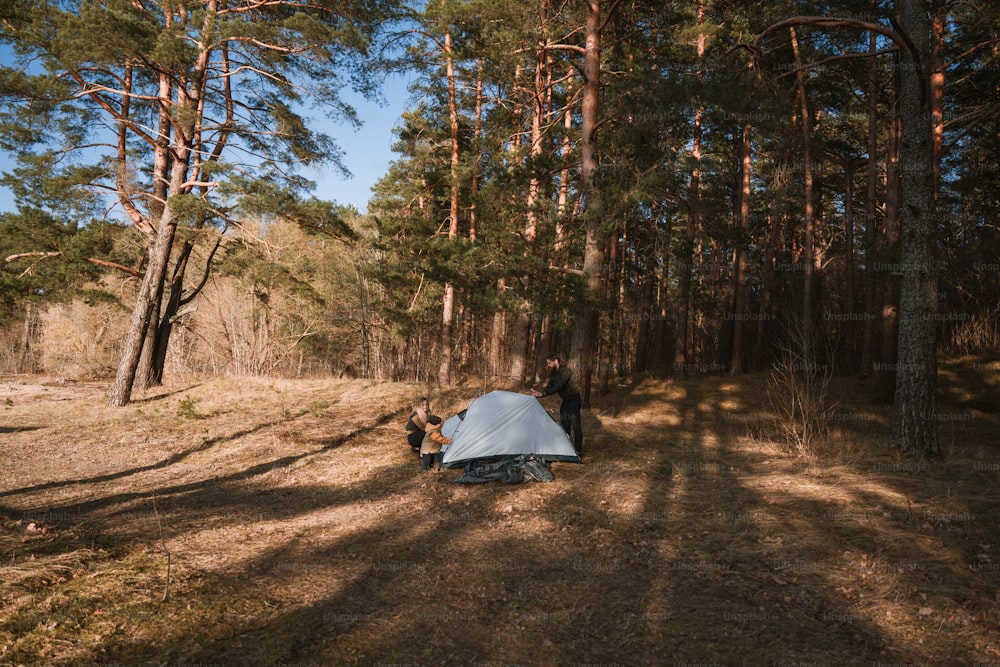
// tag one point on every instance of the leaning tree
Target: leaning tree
(180, 117)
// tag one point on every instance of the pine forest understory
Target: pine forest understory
(673, 188)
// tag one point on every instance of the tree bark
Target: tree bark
(173, 160)
(477, 130)
(685, 266)
(150, 294)
(497, 339)
(914, 426)
(739, 259)
(586, 327)
(522, 333)
(888, 296)
(24, 363)
(939, 17)
(448, 302)
(809, 224)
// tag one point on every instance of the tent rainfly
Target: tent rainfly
(504, 425)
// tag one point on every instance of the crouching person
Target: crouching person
(430, 448)
(417, 423)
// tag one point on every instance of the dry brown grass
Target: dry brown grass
(300, 530)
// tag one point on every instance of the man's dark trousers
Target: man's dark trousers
(569, 418)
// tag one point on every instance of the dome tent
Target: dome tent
(509, 429)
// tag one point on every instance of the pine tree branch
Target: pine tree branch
(46, 255)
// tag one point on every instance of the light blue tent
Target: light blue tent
(503, 426)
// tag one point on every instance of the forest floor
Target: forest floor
(281, 522)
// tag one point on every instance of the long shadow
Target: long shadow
(712, 587)
(166, 394)
(427, 556)
(890, 558)
(19, 429)
(803, 599)
(365, 621)
(203, 489)
(454, 580)
(169, 461)
(206, 445)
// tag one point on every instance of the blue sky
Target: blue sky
(367, 151)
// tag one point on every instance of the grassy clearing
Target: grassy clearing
(298, 528)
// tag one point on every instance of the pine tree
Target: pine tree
(187, 115)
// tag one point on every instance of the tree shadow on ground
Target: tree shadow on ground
(154, 397)
(19, 429)
(704, 566)
(679, 546)
(181, 456)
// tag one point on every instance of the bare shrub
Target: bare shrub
(798, 392)
(18, 342)
(233, 332)
(11, 350)
(82, 341)
(980, 333)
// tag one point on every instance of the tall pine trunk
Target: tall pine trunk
(685, 266)
(809, 224)
(522, 333)
(170, 171)
(914, 426)
(146, 309)
(448, 301)
(740, 258)
(586, 327)
(871, 193)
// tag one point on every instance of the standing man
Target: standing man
(561, 381)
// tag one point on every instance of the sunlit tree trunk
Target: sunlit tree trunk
(939, 17)
(150, 294)
(477, 131)
(448, 302)
(519, 361)
(24, 361)
(586, 328)
(172, 164)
